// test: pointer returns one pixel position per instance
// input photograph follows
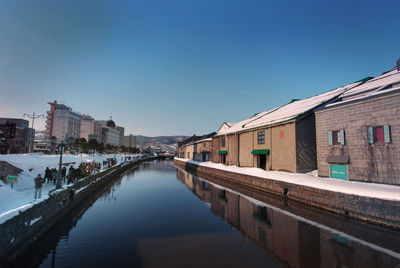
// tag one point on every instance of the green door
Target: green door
(339, 172)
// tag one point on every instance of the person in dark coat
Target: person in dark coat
(64, 173)
(47, 175)
(54, 175)
(38, 185)
(71, 175)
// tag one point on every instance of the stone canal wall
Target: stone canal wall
(19, 232)
(373, 210)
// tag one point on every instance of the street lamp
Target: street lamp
(53, 140)
(33, 117)
(61, 147)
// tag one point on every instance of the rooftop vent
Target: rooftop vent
(398, 65)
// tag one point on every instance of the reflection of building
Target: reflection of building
(295, 242)
(339, 251)
(15, 135)
(200, 187)
(62, 122)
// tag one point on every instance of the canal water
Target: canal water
(159, 216)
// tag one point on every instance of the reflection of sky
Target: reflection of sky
(183, 67)
(152, 219)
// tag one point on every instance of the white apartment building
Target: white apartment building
(62, 122)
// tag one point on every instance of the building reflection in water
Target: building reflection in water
(294, 240)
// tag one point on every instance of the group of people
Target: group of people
(84, 169)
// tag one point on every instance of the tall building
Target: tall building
(87, 126)
(96, 135)
(62, 122)
(121, 131)
(129, 141)
(110, 135)
(15, 135)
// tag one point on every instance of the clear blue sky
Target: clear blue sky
(184, 67)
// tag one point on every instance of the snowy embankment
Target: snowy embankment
(373, 190)
(21, 196)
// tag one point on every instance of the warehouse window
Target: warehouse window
(336, 137)
(378, 134)
(260, 137)
(222, 141)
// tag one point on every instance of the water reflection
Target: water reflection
(145, 218)
(38, 252)
(294, 239)
(158, 165)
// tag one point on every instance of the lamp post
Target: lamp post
(53, 140)
(61, 147)
(33, 117)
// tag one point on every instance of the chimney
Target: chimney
(398, 65)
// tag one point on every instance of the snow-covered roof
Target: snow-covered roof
(198, 141)
(203, 140)
(238, 126)
(287, 112)
(386, 82)
(224, 126)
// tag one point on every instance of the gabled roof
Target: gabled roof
(224, 126)
(238, 126)
(203, 140)
(385, 83)
(194, 139)
(289, 111)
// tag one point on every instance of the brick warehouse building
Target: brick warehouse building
(358, 136)
(196, 147)
(280, 139)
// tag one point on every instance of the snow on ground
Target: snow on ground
(21, 196)
(382, 191)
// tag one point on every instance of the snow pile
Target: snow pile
(373, 190)
(21, 196)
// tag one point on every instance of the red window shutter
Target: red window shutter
(380, 136)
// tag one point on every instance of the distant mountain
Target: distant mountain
(158, 141)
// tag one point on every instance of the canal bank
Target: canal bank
(144, 218)
(155, 215)
(18, 233)
(380, 211)
(296, 235)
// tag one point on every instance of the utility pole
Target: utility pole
(33, 117)
(61, 147)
